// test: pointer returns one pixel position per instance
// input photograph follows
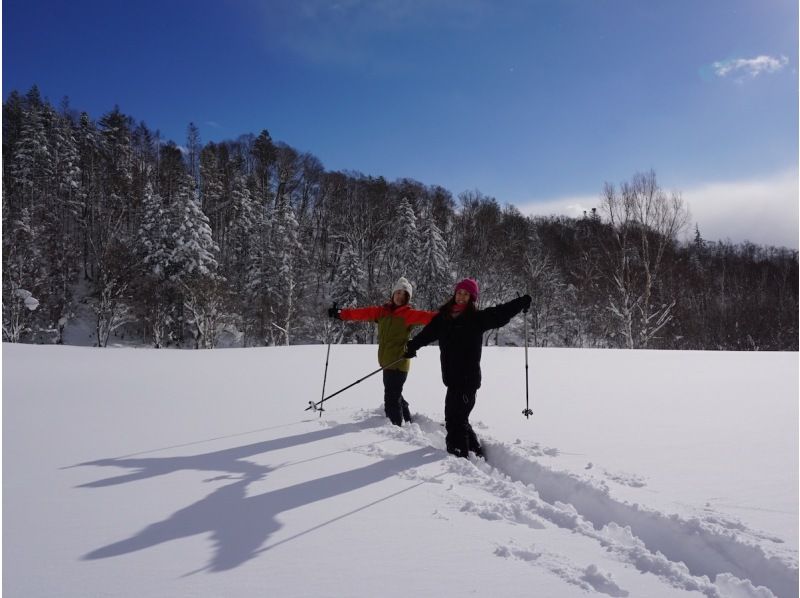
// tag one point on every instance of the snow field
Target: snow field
(176, 473)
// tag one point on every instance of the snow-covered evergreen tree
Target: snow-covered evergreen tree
(65, 160)
(31, 165)
(193, 149)
(350, 290)
(241, 231)
(109, 222)
(240, 247)
(264, 154)
(55, 212)
(24, 275)
(404, 252)
(193, 250)
(698, 251)
(349, 287)
(155, 247)
(257, 300)
(88, 162)
(212, 185)
(116, 155)
(287, 271)
(193, 265)
(153, 238)
(434, 281)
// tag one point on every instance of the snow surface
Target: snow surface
(164, 473)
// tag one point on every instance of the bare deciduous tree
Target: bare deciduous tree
(645, 221)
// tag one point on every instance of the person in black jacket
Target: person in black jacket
(459, 328)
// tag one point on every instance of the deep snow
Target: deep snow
(140, 472)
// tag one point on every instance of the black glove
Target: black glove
(526, 303)
(334, 313)
(410, 353)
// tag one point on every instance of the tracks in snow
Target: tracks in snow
(702, 555)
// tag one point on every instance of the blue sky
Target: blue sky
(536, 103)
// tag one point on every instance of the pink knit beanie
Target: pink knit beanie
(470, 286)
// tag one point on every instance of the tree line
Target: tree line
(247, 242)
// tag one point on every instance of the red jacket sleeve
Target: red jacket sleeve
(418, 317)
(362, 314)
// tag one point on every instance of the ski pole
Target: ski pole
(316, 406)
(527, 412)
(327, 355)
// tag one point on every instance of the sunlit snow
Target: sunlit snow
(142, 472)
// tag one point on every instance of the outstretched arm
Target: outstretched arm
(426, 336)
(499, 316)
(419, 317)
(362, 314)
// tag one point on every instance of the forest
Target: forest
(247, 242)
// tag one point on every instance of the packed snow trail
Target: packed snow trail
(687, 553)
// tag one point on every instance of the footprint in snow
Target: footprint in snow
(602, 582)
(626, 479)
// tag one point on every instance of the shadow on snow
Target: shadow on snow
(239, 524)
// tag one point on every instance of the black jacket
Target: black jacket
(461, 340)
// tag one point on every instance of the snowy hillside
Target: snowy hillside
(158, 473)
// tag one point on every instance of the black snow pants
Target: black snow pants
(394, 405)
(461, 438)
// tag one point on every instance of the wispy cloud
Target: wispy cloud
(372, 14)
(743, 68)
(344, 32)
(762, 211)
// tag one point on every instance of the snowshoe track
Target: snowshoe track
(704, 555)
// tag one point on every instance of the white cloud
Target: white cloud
(763, 211)
(750, 67)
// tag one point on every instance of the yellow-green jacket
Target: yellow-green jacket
(394, 328)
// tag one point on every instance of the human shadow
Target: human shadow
(240, 525)
(230, 460)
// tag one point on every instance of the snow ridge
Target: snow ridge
(692, 554)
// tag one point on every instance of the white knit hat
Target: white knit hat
(402, 285)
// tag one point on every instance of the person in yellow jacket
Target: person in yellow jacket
(395, 319)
